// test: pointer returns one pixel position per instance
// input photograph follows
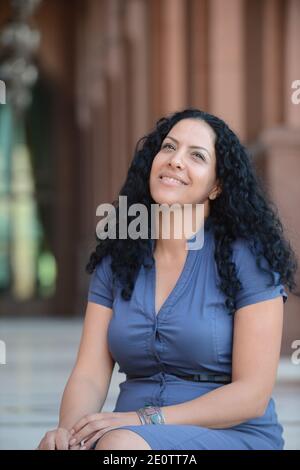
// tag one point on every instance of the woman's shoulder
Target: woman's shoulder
(104, 264)
(249, 254)
(259, 280)
(101, 282)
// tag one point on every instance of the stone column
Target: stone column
(168, 56)
(282, 154)
(227, 62)
(197, 53)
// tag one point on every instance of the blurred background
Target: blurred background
(80, 82)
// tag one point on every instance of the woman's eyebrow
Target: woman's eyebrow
(191, 146)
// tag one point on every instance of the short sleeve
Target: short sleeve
(100, 288)
(257, 285)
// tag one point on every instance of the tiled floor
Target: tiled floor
(40, 356)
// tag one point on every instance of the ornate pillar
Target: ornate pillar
(20, 230)
(18, 43)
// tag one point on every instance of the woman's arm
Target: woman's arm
(256, 350)
(88, 384)
(80, 397)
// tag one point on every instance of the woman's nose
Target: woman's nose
(176, 161)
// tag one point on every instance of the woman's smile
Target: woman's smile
(166, 180)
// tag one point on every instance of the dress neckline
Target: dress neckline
(192, 254)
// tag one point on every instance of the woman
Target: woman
(197, 331)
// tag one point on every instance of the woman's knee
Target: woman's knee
(121, 439)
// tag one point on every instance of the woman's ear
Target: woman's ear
(215, 192)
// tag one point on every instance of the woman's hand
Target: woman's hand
(57, 439)
(90, 428)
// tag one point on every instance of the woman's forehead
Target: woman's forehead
(194, 133)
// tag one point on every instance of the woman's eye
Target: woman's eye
(199, 155)
(167, 145)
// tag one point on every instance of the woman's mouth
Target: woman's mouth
(171, 181)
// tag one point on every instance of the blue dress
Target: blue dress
(191, 333)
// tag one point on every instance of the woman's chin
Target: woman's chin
(168, 201)
(167, 195)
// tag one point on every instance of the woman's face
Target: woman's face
(187, 153)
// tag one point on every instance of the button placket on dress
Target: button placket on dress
(160, 318)
(157, 396)
(156, 344)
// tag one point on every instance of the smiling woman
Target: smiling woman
(225, 183)
(180, 175)
(188, 327)
(178, 164)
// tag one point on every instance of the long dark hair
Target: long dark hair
(243, 209)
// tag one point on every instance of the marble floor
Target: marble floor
(39, 357)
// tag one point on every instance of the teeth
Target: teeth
(172, 179)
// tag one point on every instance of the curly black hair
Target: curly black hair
(243, 209)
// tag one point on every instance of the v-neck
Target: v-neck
(174, 290)
(181, 280)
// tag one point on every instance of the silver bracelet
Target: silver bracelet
(141, 416)
(151, 415)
